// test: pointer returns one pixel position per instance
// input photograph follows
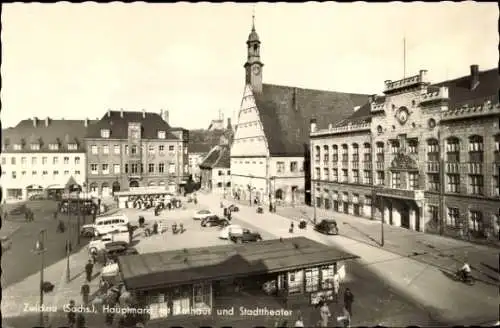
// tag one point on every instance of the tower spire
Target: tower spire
(253, 18)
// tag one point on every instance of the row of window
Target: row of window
(44, 173)
(54, 147)
(106, 133)
(132, 168)
(34, 160)
(134, 149)
(475, 219)
(280, 166)
(252, 139)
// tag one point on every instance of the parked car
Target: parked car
(99, 243)
(214, 221)
(246, 236)
(106, 224)
(327, 227)
(226, 231)
(233, 208)
(6, 244)
(119, 249)
(200, 215)
(88, 231)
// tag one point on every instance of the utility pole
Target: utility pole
(313, 192)
(78, 213)
(68, 242)
(382, 239)
(40, 249)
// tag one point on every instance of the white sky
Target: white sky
(78, 60)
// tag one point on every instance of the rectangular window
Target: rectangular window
(14, 175)
(35, 146)
(151, 168)
(93, 169)
(55, 160)
(345, 154)
(77, 172)
(368, 200)
(453, 183)
(475, 221)
(66, 160)
(433, 182)
(413, 146)
(380, 178)
(396, 180)
(33, 172)
(161, 168)
(34, 160)
(312, 279)
(433, 213)
(4, 160)
(367, 177)
(293, 167)
(105, 133)
(44, 160)
(126, 168)
(116, 149)
(23, 161)
(151, 149)
(133, 150)
(161, 135)
(355, 154)
(171, 148)
(53, 147)
(395, 146)
(280, 167)
(134, 168)
(105, 149)
(453, 217)
(496, 186)
(161, 148)
(326, 174)
(220, 173)
(171, 168)
(105, 168)
(295, 282)
(317, 172)
(345, 176)
(335, 174)
(56, 172)
(13, 161)
(433, 151)
(116, 168)
(45, 172)
(327, 277)
(335, 154)
(77, 160)
(355, 176)
(326, 155)
(93, 149)
(66, 172)
(476, 183)
(413, 180)
(72, 147)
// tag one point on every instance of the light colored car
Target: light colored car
(104, 225)
(200, 215)
(226, 232)
(99, 243)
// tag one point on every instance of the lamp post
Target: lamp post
(68, 243)
(78, 213)
(314, 201)
(40, 249)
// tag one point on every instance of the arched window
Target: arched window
(367, 152)
(335, 153)
(317, 153)
(432, 150)
(355, 152)
(413, 146)
(326, 154)
(380, 152)
(345, 153)
(476, 149)
(453, 150)
(395, 146)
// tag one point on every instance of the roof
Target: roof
(285, 113)
(63, 132)
(219, 156)
(118, 125)
(362, 115)
(199, 148)
(147, 271)
(202, 141)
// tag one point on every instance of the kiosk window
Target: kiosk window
(327, 277)
(312, 280)
(294, 283)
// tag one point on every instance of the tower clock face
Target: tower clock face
(256, 70)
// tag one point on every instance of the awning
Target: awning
(35, 187)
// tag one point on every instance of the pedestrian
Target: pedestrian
(291, 228)
(155, 228)
(67, 247)
(85, 291)
(325, 314)
(55, 215)
(71, 314)
(80, 321)
(348, 300)
(336, 285)
(88, 270)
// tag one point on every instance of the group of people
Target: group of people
(153, 201)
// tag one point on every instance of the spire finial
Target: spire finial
(253, 18)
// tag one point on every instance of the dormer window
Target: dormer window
(162, 135)
(18, 147)
(105, 133)
(53, 147)
(72, 146)
(35, 146)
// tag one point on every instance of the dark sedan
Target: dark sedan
(327, 227)
(214, 221)
(233, 208)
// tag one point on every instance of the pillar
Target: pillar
(413, 218)
(386, 212)
(396, 217)
(24, 193)
(421, 216)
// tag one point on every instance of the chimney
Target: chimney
(121, 112)
(47, 119)
(86, 122)
(35, 121)
(143, 113)
(229, 126)
(313, 125)
(109, 112)
(474, 76)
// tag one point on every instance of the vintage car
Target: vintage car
(327, 227)
(214, 221)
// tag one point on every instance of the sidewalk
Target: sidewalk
(444, 298)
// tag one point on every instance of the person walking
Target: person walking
(88, 270)
(325, 314)
(348, 300)
(80, 321)
(71, 314)
(85, 291)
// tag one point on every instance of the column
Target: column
(413, 217)
(386, 212)
(421, 216)
(396, 217)
(24, 193)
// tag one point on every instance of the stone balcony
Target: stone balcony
(441, 94)
(407, 82)
(416, 195)
(466, 111)
(433, 167)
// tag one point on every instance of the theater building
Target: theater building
(422, 156)
(177, 282)
(127, 149)
(271, 134)
(41, 156)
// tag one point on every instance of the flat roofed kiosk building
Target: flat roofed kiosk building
(187, 279)
(43, 156)
(422, 156)
(126, 150)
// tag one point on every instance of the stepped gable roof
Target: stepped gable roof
(118, 125)
(62, 132)
(219, 156)
(286, 111)
(460, 92)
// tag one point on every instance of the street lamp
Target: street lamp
(68, 243)
(40, 249)
(78, 213)
(314, 201)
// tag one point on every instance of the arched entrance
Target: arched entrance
(116, 186)
(279, 194)
(105, 189)
(134, 184)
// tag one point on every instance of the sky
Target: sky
(76, 61)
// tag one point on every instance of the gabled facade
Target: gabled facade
(422, 156)
(272, 133)
(128, 149)
(216, 171)
(43, 156)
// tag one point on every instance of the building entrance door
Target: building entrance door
(356, 209)
(404, 212)
(336, 205)
(346, 207)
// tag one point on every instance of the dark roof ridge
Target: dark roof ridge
(464, 76)
(311, 89)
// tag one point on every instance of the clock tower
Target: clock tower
(253, 66)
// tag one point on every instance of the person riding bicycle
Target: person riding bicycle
(465, 271)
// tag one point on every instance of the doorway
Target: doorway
(336, 205)
(356, 209)
(346, 207)
(134, 184)
(404, 212)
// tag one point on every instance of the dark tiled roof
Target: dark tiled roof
(362, 115)
(147, 271)
(118, 125)
(63, 132)
(219, 156)
(460, 93)
(199, 148)
(201, 141)
(285, 113)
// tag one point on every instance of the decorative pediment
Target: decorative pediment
(403, 162)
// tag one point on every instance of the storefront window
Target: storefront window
(312, 280)
(201, 295)
(327, 277)
(295, 282)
